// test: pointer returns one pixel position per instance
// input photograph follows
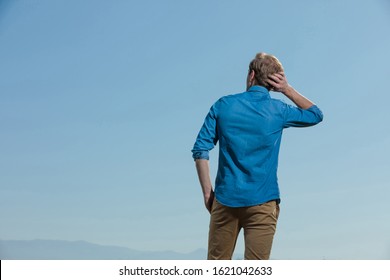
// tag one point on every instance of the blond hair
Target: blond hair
(264, 65)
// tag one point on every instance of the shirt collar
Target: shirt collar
(257, 88)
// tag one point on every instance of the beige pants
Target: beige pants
(258, 222)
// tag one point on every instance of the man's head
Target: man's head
(260, 68)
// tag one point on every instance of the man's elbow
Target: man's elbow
(318, 115)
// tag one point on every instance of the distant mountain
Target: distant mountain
(81, 250)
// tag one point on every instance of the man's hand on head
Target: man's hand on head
(278, 81)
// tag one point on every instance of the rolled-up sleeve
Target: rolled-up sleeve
(207, 137)
(296, 117)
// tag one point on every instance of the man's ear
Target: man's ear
(251, 75)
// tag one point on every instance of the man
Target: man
(249, 128)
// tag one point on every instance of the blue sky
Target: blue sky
(101, 101)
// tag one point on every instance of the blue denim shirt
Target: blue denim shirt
(249, 129)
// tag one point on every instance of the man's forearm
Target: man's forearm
(203, 170)
(202, 167)
(298, 99)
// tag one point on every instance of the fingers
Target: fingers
(277, 76)
(277, 81)
(272, 83)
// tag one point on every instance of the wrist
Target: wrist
(288, 90)
(208, 194)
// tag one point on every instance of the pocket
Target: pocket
(276, 211)
(213, 205)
